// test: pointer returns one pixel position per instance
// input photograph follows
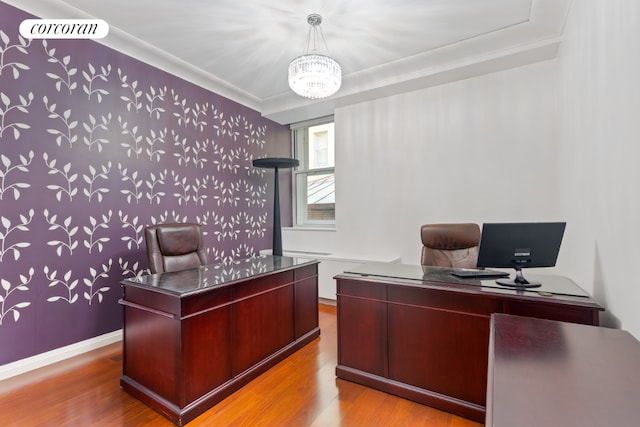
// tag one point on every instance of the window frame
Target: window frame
(299, 171)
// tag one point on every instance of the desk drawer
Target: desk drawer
(304, 272)
(356, 288)
(205, 301)
(560, 312)
(151, 300)
(443, 300)
(264, 284)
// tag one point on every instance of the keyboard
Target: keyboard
(470, 273)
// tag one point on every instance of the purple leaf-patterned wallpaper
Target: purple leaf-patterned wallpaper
(94, 145)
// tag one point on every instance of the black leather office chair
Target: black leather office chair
(173, 247)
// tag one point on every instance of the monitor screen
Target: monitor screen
(520, 245)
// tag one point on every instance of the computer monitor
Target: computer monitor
(520, 245)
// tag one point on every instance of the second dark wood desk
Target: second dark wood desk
(549, 373)
(193, 337)
(424, 335)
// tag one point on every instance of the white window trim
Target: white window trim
(294, 198)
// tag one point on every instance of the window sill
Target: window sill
(310, 228)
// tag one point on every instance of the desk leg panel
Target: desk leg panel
(439, 350)
(206, 361)
(152, 351)
(306, 306)
(263, 324)
(362, 337)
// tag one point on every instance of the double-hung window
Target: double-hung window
(314, 180)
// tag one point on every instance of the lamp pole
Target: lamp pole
(276, 163)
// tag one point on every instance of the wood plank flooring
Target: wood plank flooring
(300, 391)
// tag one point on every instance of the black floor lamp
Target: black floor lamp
(276, 163)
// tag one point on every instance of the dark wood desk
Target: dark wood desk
(424, 334)
(548, 373)
(193, 337)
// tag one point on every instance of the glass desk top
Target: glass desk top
(551, 284)
(193, 280)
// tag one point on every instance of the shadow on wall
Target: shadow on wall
(607, 318)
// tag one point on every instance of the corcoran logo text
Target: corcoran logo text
(64, 28)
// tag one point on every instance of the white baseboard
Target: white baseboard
(327, 301)
(43, 359)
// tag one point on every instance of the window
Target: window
(314, 180)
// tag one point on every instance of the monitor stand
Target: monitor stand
(519, 281)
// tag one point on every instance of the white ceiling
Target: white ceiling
(241, 48)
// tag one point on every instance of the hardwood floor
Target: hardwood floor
(300, 391)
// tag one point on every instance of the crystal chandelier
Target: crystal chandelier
(313, 75)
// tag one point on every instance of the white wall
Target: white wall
(476, 150)
(599, 141)
(559, 139)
